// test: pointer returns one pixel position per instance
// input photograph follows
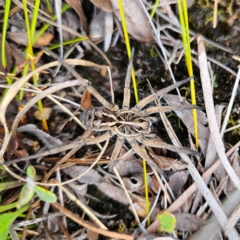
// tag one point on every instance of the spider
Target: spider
(133, 125)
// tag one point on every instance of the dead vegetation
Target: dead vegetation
(91, 152)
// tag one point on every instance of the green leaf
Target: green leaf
(26, 196)
(31, 172)
(7, 207)
(6, 220)
(167, 222)
(45, 195)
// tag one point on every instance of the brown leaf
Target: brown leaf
(13, 145)
(166, 163)
(137, 23)
(86, 101)
(45, 114)
(176, 182)
(105, 5)
(188, 222)
(77, 6)
(9, 53)
(22, 39)
(92, 235)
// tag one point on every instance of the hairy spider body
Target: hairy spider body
(133, 125)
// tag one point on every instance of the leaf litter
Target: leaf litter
(213, 181)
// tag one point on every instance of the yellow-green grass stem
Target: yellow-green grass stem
(154, 8)
(4, 33)
(183, 16)
(49, 8)
(30, 55)
(65, 43)
(34, 19)
(126, 37)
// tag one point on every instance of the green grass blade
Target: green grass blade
(4, 32)
(7, 207)
(183, 16)
(34, 19)
(30, 55)
(154, 8)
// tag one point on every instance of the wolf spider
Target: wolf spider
(133, 125)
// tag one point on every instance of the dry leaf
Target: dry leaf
(102, 27)
(49, 141)
(45, 114)
(86, 101)
(128, 167)
(9, 53)
(77, 6)
(188, 222)
(105, 5)
(91, 177)
(176, 182)
(13, 146)
(94, 178)
(22, 39)
(70, 20)
(137, 23)
(113, 192)
(166, 163)
(92, 235)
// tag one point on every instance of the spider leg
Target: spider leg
(80, 143)
(116, 151)
(154, 96)
(143, 154)
(157, 143)
(127, 93)
(158, 109)
(99, 139)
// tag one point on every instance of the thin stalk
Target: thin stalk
(154, 8)
(30, 54)
(65, 43)
(183, 16)
(4, 33)
(49, 8)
